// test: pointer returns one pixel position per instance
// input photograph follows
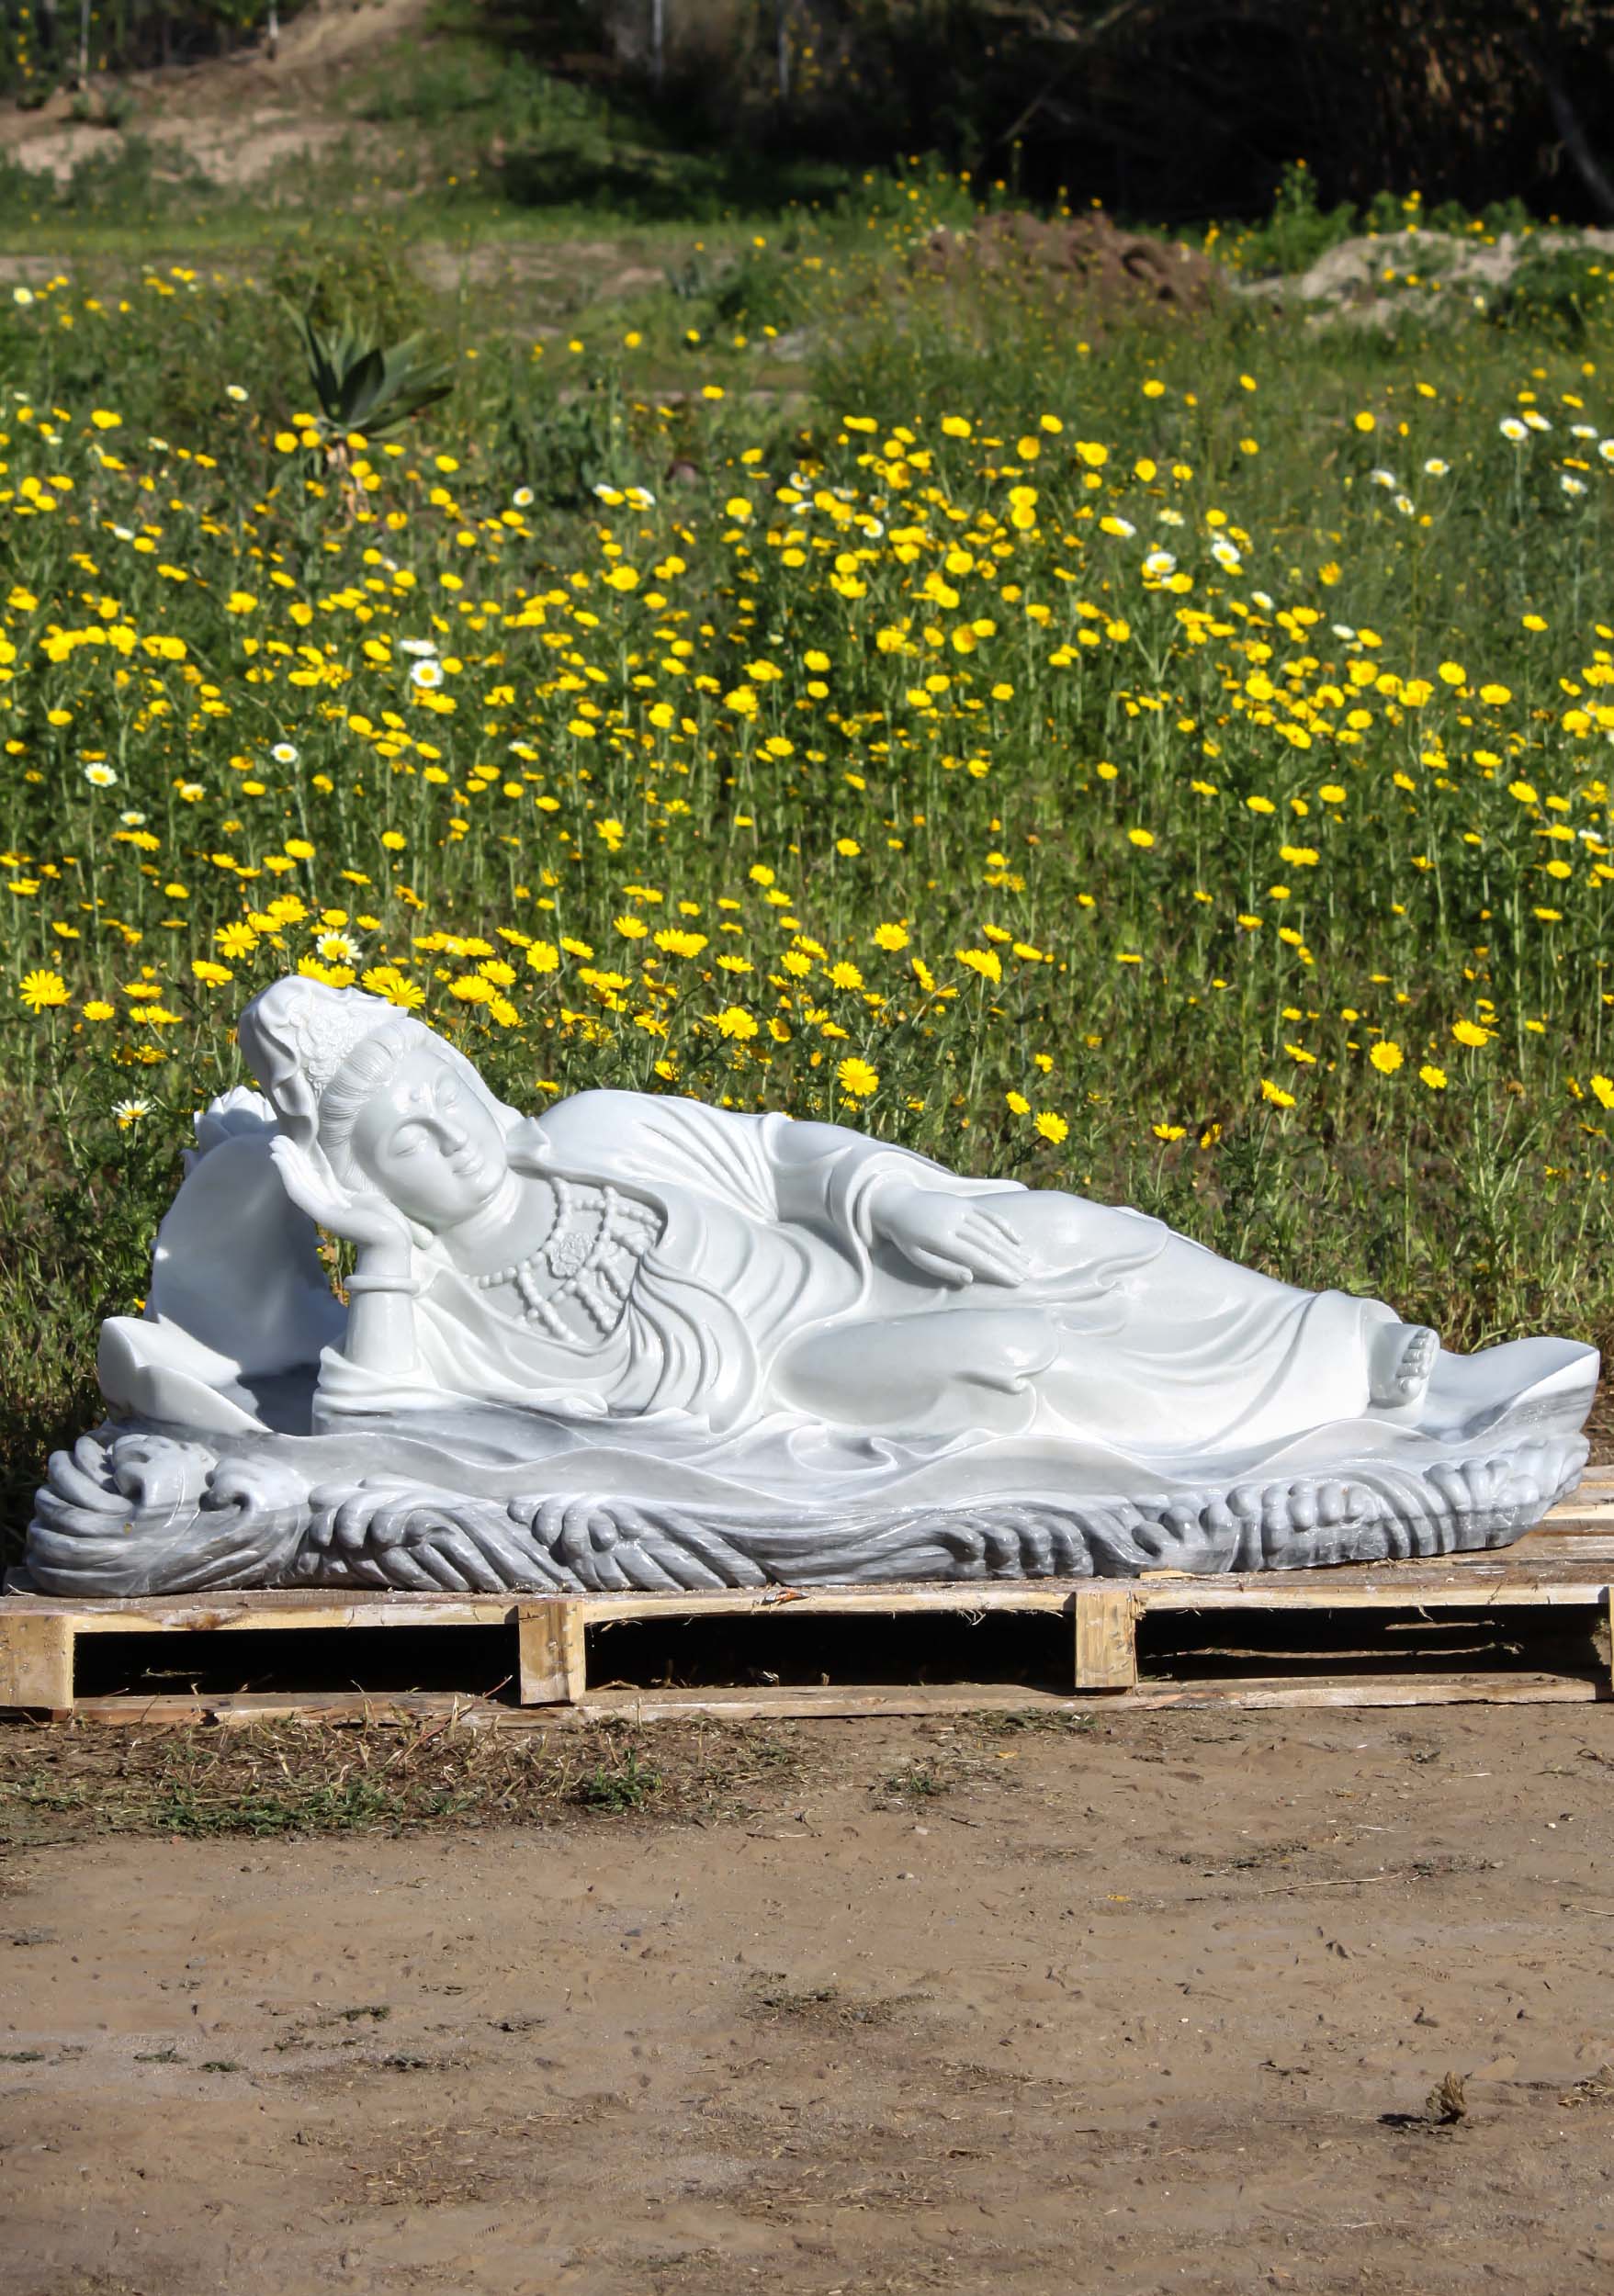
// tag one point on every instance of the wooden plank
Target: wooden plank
(36, 1663)
(1551, 1567)
(1574, 1590)
(970, 1598)
(308, 1609)
(841, 1702)
(763, 1706)
(1552, 1563)
(1566, 1543)
(1367, 1690)
(1514, 1568)
(551, 1639)
(272, 1612)
(1572, 1571)
(239, 1709)
(1594, 1508)
(1106, 1645)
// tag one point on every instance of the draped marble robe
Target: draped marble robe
(765, 1240)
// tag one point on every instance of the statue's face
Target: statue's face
(429, 1143)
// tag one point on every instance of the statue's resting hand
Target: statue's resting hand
(369, 1221)
(952, 1238)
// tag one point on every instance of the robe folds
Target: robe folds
(767, 1240)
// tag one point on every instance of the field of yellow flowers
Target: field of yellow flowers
(1172, 765)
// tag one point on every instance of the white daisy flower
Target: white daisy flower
(283, 753)
(1536, 421)
(132, 820)
(417, 644)
(234, 390)
(1512, 428)
(427, 675)
(1435, 468)
(1158, 564)
(100, 776)
(523, 497)
(1404, 504)
(1384, 478)
(1571, 486)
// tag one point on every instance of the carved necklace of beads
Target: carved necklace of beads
(596, 1271)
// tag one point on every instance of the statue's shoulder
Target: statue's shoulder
(604, 1119)
(600, 1110)
(636, 1134)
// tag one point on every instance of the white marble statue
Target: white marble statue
(642, 1341)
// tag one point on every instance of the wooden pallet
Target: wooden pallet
(541, 1644)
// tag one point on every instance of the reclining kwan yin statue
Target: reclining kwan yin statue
(640, 1342)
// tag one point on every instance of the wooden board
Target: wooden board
(551, 1639)
(1566, 1563)
(1106, 1638)
(841, 1702)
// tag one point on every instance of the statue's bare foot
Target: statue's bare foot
(1401, 1358)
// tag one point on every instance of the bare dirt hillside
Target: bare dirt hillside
(239, 119)
(1156, 2007)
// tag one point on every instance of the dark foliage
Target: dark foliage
(1168, 108)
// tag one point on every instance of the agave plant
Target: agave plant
(370, 386)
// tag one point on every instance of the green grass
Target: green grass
(1137, 946)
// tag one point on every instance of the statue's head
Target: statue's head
(387, 1106)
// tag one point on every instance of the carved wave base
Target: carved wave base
(134, 1510)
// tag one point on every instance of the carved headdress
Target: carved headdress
(301, 1038)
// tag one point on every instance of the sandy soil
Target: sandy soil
(1157, 2007)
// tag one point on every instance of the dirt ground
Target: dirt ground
(235, 118)
(1152, 2005)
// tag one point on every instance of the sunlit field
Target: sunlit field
(1167, 760)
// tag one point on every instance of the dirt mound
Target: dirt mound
(1353, 270)
(1088, 256)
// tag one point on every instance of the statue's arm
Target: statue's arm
(867, 1192)
(380, 1315)
(827, 1176)
(381, 1290)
